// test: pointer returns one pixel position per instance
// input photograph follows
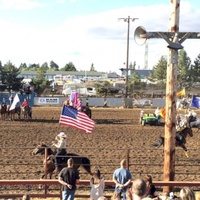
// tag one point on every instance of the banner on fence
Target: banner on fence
(48, 100)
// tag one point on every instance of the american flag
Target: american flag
(77, 119)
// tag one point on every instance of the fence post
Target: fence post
(127, 158)
(45, 168)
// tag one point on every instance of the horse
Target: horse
(27, 112)
(49, 163)
(180, 139)
(183, 104)
(84, 109)
(184, 121)
(16, 110)
(3, 111)
(87, 111)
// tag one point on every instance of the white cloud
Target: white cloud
(19, 4)
(99, 38)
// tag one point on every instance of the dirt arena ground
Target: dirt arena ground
(116, 131)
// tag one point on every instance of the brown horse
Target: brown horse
(3, 111)
(16, 110)
(180, 139)
(87, 111)
(49, 163)
(27, 112)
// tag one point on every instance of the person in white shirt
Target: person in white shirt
(60, 143)
(157, 112)
(97, 185)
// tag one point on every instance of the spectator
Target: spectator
(151, 189)
(157, 114)
(102, 198)
(187, 194)
(97, 185)
(197, 195)
(26, 197)
(122, 179)
(69, 177)
(129, 195)
(116, 196)
(141, 115)
(138, 189)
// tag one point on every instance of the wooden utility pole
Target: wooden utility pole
(174, 38)
(171, 88)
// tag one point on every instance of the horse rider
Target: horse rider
(25, 103)
(3, 104)
(192, 116)
(11, 99)
(60, 143)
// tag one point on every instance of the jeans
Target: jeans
(122, 193)
(68, 195)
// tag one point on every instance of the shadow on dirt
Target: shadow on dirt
(113, 121)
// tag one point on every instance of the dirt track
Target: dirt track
(116, 130)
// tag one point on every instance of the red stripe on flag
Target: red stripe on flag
(81, 121)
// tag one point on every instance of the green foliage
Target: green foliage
(33, 67)
(160, 70)
(69, 67)
(40, 83)
(194, 75)
(184, 64)
(105, 89)
(9, 77)
(53, 66)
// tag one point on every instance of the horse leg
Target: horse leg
(185, 150)
(86, 165)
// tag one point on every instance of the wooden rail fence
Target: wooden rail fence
(82, 182)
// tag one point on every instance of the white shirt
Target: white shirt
(97, 189)
(62, 143)
(157, 112)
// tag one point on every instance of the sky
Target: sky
(87, 32)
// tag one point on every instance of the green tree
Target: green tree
(135, 82)
(105, 88)
(33, 67)
(23, 67)
(53, 66)
(40, 83)
(184, 63)
(9, 76)
(45, 66)
(160, 70)
(194, 75)
(69, 67)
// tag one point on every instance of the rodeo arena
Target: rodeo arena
(99, 136)
(96, 147)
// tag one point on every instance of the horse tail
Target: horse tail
(159, 143)
(86, 164)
